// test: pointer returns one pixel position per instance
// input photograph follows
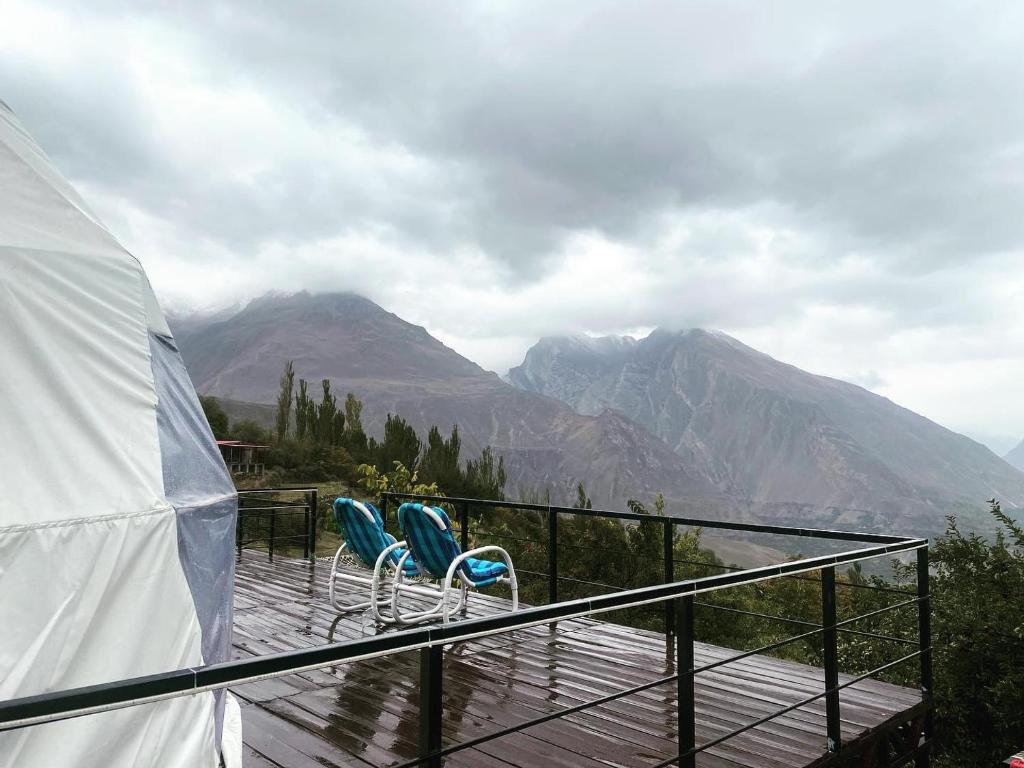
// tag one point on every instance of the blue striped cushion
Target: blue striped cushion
(436, 548)
(367, 540)
(485, 572)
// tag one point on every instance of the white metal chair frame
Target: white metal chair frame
(441, 591)
(372, 581)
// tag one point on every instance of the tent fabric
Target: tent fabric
(197, 485)
(117, 515)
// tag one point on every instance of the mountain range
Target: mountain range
(763, 430)
(396, 367)
(721, 429)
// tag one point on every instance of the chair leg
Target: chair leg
(332, 591)
(418, 616)
(514, 586)
(376, 603)
(461, 603)
(340, 576)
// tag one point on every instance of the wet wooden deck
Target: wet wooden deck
(366, 713)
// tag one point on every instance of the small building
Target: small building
(243, 458)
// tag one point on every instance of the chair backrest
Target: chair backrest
(428, 532)
(363, 529)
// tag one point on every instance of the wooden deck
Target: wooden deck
(366, 713)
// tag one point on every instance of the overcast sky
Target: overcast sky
(840, 185)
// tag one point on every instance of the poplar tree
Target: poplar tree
(302, 411)
(284, 402)
(354, 436)
(325, 415)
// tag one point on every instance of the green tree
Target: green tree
(304, 409)
(399, 480)
(440, 462)
(248, 431)
(354, 412)
(339, 428)
(325, 414)
(284, 402)
(485, 478)
(582, 500)
(977, 597)
(354, 436)
(400, 443)
(215, 415)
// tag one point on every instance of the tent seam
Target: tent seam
(201, 503)
(160, 509)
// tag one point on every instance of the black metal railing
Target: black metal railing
(677, 597)
(679, 616)
(277, 518)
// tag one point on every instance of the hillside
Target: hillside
(397, 367)
(763, 430)
(1015, 457)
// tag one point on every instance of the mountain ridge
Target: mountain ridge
(396, 367)
(766, 430)
(1015, 457)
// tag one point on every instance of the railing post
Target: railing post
(686, 714)
(924, 626)
(305, 533)
(430, 704)
(670, 574)
(384, 509)
(464, 526)
(831, 658)
(312, 512)
(273, 524)
(552, 556)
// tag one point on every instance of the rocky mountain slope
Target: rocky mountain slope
(397, 367)
(1015, 457)
(765, 431)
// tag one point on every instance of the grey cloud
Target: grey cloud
(879, 130)
(883, 126)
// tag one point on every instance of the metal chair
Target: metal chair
(440, 562)
(370, 549)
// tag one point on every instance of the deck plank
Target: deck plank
(365, 713)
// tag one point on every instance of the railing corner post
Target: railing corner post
(312, 511)
(430, 705)
(830, 656)
(924, 626)
(670, 573)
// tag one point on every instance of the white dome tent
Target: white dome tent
(117, 514)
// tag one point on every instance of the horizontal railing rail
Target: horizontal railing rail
(640, 517)
(678, 596)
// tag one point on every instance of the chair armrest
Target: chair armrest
(473, 553)
(382, 557)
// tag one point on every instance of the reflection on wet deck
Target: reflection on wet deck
(366, 713)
